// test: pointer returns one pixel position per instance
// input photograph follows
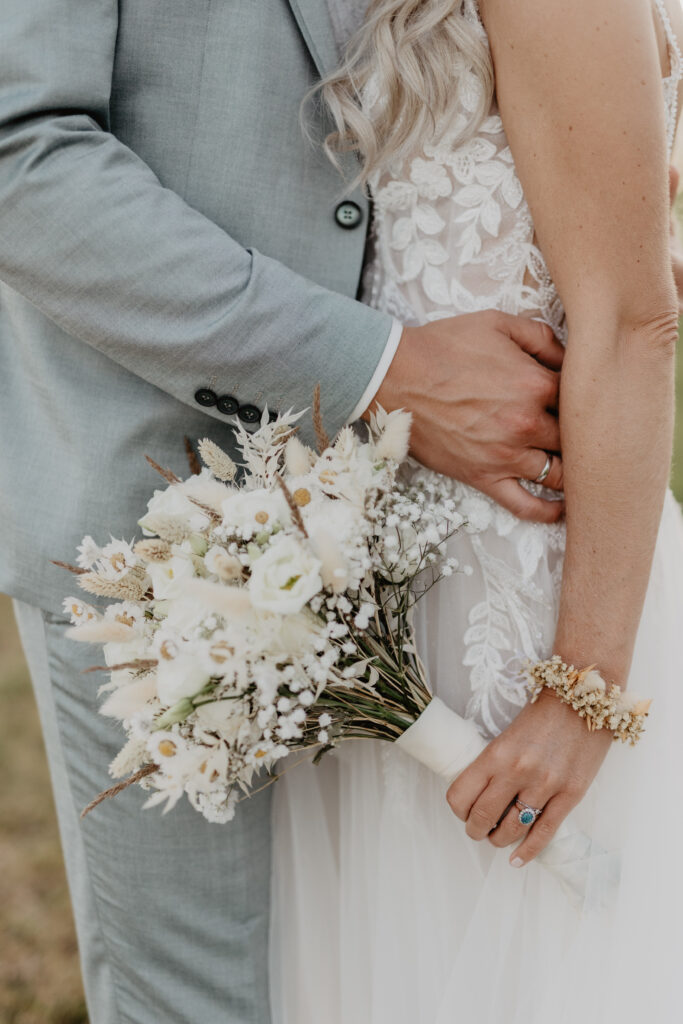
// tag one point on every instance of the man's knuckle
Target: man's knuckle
(502, 454)
(523, 423)
(550, 388)
(521, 507)
(541, 384)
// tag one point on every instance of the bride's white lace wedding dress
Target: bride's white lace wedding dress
(384, 911)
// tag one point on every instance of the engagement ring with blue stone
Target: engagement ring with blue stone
(527, 814)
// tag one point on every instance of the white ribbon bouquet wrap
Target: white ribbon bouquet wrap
(274, 614)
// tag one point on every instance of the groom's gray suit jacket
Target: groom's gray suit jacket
(167, 239)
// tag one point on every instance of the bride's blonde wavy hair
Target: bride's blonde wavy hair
(417, 49)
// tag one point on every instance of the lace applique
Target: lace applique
(453, 230)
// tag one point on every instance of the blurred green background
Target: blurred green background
(39, 974)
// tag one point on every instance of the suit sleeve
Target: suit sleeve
(91, 237)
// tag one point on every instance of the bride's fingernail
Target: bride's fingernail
(516, 862)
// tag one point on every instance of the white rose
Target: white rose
(182, 676)
(221, 564)
(284, 578)
(167, 577)
(340, 518)
(248, 512)
(297, 634)
(116, 653)
(183, 615)
(221, 716)
(175, 501)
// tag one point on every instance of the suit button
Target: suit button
(205, 396)
(348, 214)
(249, 414)
(227, 405)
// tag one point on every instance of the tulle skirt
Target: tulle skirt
(386, 912)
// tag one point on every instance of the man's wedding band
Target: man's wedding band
(546, 469)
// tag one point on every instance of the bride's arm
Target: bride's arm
(579, 90)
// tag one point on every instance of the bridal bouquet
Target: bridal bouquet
(267, 617)
(274, 615)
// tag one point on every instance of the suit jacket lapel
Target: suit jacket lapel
(313, 19)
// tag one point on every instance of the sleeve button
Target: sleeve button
(205, 396)
(249, 414)
(228, 405)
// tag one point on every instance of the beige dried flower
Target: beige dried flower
(230, 602)
(321, 434)
(169, 528)
(394, 441)
(333, 568)
(218, 461)
(589, 681)
(153, 550)
(101, 631)
(130, 587)
(225, 566)
(298, 458)
(129, 758)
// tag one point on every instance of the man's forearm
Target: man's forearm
(94, 240)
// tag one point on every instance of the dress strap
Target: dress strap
(672, 80)
(674, 50)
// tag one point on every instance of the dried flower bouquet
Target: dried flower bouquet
(275, 615)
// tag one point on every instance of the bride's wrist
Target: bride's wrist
(603, 704)
(613, 665)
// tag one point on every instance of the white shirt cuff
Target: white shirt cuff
(380, 371)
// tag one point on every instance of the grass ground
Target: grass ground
(39, 974)
(677, 471)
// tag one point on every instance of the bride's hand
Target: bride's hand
(547, 758)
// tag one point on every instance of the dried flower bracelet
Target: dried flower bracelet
(588, 694)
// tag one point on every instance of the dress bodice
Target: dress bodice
(452, 230)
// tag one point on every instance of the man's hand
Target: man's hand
(483, 391)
